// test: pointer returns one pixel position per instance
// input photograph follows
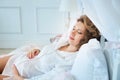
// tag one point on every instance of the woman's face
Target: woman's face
(77, 34)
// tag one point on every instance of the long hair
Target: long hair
(91, 29)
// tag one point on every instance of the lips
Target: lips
(71, 38)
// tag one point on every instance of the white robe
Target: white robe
(50, 61)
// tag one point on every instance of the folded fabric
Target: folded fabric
(90, 63)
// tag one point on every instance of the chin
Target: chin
(70, 41)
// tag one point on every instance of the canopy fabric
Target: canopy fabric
(105, 14)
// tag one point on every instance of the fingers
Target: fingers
(2, 77)
(17, 78)
(36, 52)
(15, 71)
(29, 55)
(33, 53)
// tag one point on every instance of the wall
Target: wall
(26, 21)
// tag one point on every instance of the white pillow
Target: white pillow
(112, 53)
(64, 76)
(90, 63)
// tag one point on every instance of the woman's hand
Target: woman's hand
(16, 75)
(31, 54)
(3, 76)
(15, 71)
(18, 78)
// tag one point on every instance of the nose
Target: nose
(73, 32)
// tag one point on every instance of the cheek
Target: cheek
(74, 42)
(78, 40)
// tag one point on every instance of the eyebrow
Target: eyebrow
(77, 29)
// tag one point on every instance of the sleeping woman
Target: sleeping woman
(51, 59)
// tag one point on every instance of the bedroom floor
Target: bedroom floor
(5, 50)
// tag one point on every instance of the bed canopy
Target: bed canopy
(106, 16)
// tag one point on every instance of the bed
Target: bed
(87, 71)
(100, 13)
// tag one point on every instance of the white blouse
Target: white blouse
(48, 60)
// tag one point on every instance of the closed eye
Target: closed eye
(79, 32)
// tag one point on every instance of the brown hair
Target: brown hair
(91, 29)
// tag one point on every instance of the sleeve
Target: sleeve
(47, 76)
(25, 65)
(26, 69)
(57, 73)
(48, 49)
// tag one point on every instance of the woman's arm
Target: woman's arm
(3, 61)
(18, 78)
(15, 71)
(3, 76)
(16, 74)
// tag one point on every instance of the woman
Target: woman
(50, 57)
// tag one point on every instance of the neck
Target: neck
(69, 48)
(72, 48)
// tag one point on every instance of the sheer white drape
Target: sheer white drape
(106, 16)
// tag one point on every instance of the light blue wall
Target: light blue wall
(25, 21)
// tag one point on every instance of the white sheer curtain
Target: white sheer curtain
(106, 16)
